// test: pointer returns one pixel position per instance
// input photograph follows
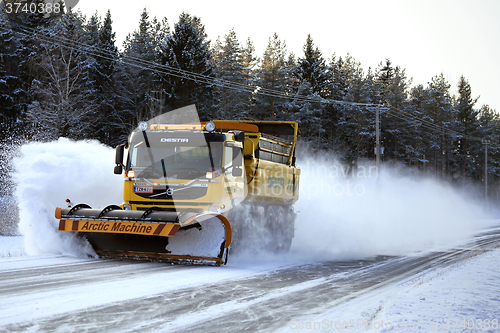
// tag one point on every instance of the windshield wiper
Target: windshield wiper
(163, 167)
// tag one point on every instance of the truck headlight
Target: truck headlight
(143, 126)
(210, 126)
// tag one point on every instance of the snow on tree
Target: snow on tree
(357, 120)
(439, 111)
(92, 90)
(467, 125)
(137, 95)
(249, 62)
(393, 86)
(419, 149)
(102, 60)
(63, 106)
(13, 92)
(489, 121)
(272, 75)
(187, 49)
(312, 68)
(234, 101)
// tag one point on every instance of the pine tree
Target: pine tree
(420, 149)
(93, 27)
(249, 62)
(369, 94)
(439, 110)
(106, 45)
(272, 75)
(489, 121)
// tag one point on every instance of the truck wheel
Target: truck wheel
(237, 219)
(286, 230)
(277, 230)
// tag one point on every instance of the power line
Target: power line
(176, 72)
(163, 69)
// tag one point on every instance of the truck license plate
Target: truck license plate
(143, 189)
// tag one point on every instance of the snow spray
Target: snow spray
(346, 213)
(46, 174)
(342, 213)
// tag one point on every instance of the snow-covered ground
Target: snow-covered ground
(11, 246)
(461, 296)
(339, 219)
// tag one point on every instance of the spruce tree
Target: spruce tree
(393, 87)
(356, 119)
(185, 51)
(13, 94)
(103, 78)
(334, 113)
(312, 68)
(138, 95)
(17, 40)
(467, 125)
(232, 103)
(439, 110)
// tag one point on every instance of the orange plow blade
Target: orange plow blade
(153, 234)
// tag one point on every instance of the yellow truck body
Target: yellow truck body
(187, 180)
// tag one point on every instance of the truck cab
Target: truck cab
(184, 167)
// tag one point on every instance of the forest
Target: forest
(62, 75)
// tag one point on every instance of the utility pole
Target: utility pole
(486, 142)
(377, 138)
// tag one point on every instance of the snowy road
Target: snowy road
(60, 294)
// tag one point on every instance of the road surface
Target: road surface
(59, 294)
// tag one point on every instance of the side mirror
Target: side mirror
(239, 136)
(118, 169)
(237, 157)
(119, 159)
(237, 172)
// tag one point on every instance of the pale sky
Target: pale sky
(426, 37)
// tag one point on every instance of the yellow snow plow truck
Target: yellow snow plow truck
(193, 190)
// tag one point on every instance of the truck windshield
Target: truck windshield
(175, 161)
